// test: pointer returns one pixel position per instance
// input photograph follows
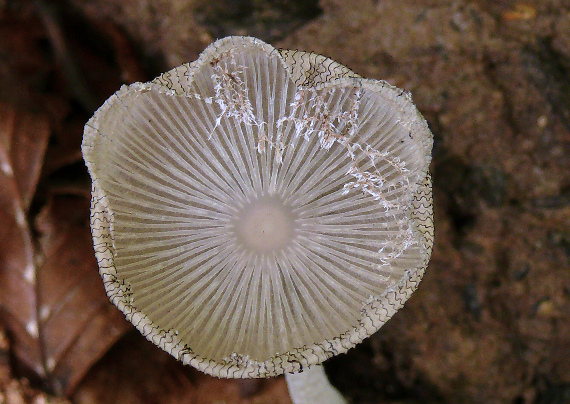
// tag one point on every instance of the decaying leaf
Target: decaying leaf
(17, 255)
(135, 372)
(51, 300)
(24, 139)
(13, 391)
(78, 323)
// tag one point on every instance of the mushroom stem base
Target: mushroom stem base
(312, 387)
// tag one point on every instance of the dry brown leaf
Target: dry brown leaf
(520, 12)
(25, 68)
(65, 146)
(23, 65)
(135, 371)
(13, 391)
(17, 255)
(5, 371)
(48, 65)
(51, 297)
(24, 138)
(78, 322)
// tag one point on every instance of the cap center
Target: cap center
(265, 225)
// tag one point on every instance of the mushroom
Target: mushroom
(259, 210)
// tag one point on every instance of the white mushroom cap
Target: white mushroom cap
(259, 210)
